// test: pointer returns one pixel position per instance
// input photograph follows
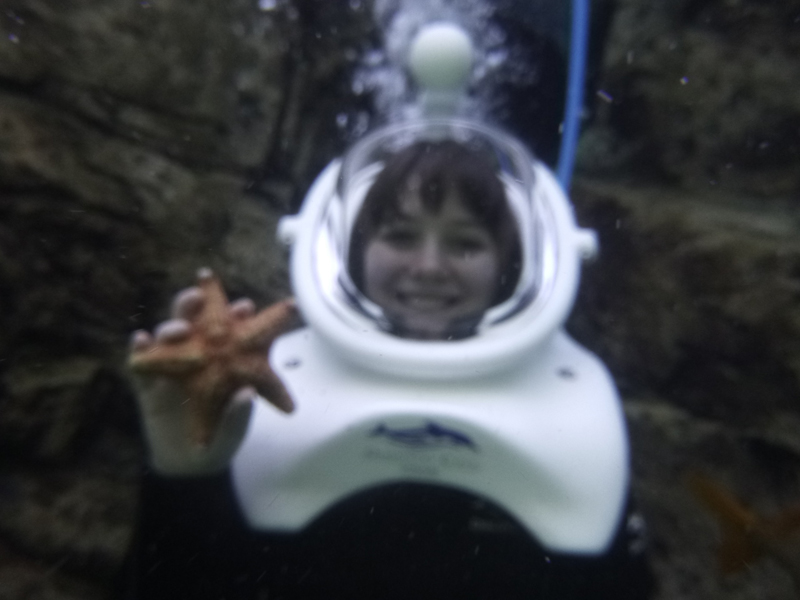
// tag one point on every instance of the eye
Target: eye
(467, 243)
(399, 236)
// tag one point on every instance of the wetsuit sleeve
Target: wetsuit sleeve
(191, 541)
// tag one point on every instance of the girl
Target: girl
(434, 246)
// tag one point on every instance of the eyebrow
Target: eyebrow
(461, 222)
(396, 219)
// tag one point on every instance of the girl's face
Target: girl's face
(431, 271)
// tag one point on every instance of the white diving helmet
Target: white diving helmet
(551, 244)
(516, 412)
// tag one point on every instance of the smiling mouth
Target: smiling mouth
(426, 302)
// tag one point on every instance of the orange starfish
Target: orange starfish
(746, 536)
(220, 355)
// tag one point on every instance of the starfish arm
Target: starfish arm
(214, 319)
(721, 504)
(741, 528)
(270, 386)
(257, 332)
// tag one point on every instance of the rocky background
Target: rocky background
(142, 139)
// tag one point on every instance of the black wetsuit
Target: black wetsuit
(405, 541)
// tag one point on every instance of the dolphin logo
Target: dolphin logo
(430, 435)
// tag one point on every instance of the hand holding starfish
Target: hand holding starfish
(197, 376)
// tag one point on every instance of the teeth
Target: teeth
(425, 302)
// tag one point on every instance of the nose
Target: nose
(430, 259)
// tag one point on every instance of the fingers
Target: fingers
(244, 395)
(186, 306)
(188, 303)
(242, 308)
(140, 340)
(174, 330)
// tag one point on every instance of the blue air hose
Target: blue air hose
(579, 41)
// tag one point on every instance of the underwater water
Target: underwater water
(141, 140)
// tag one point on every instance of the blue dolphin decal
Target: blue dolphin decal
(429, 436)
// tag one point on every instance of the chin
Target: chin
(455, 328)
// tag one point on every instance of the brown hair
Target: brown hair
(431, 169)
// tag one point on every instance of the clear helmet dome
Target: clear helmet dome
(395, 157)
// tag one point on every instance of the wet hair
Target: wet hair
(431, 169)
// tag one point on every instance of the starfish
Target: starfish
(747, 536)
(220, 354)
